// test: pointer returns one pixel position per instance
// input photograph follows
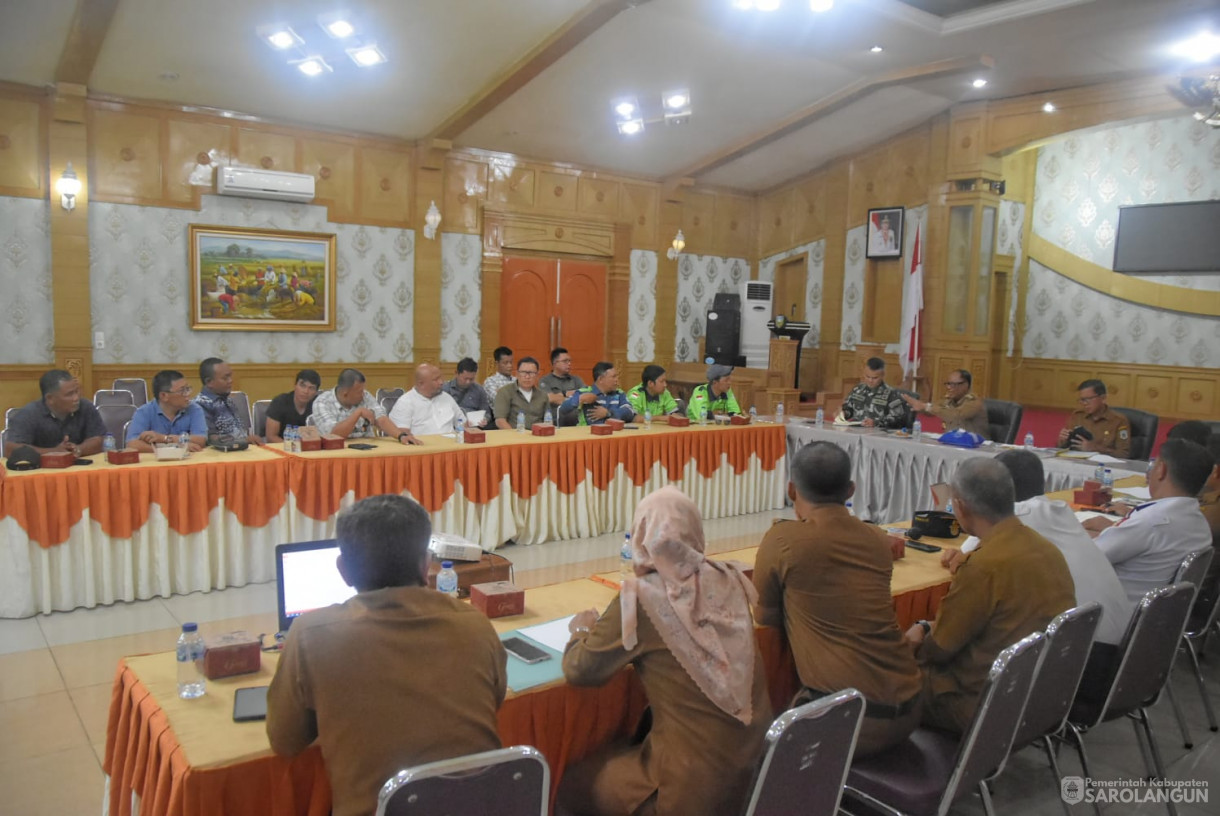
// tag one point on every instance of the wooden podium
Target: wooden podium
(781, 366)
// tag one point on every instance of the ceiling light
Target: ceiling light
(979, 83)
(631, 127)
(312, 66)
(1202, 47)
(676, 100)
(743, 4)
(821, 5)
(336, 24)
(766, 5)
(1048, 107)
(876, 49)
(626, 108)
(366, 55)
(279, 37)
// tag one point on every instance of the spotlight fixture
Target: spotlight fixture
(432, 220)
(820, 6)
(1048, 107)
(631, 127)
(366, 56)
(979, 83)
(676, 100)
(675, 248)
(280, 37)
(336, 24)
(1202, 47)
(876, 49)
(312, 66)
(68, 187)
(626, 108)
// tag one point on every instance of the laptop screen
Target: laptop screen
(307, 578)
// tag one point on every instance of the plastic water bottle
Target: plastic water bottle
(647, 418)
(1099, 474)
(753, 415)
(949, 507)
(917, 430)
(191, 683)
(108, 443)
(625, 566)
(703, 415)
(1107, 479)
(461, 429)
(446, 580)
(819, 419)
(548, 419)
(1029, 440)
(850, 511)
(290, 441)
(521, 422)
(779, 413)
(184, 440)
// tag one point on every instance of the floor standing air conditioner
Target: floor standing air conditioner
(755, 312)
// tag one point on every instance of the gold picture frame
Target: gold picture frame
(251, 279)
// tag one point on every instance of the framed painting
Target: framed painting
(261, 279)
(884, 233)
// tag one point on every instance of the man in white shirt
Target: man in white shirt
(426, 408)
(1148, 545)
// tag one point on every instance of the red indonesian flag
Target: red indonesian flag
(912, 315)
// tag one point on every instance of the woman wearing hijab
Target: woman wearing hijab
(684, 623)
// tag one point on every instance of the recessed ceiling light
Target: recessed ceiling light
(631, 127)
(312, 66)
(766, 5)
(336, 24)
(676, 100)
(626, 108)
(279, 36)
(876, 49)
(979, 83)
(821, 5)
(1048, 107)
(1202, 47)
(366, 55)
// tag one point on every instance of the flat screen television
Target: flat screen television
(1168, 238)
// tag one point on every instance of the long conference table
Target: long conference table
(96, 534)
(171, 757)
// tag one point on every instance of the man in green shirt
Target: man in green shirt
(716, 397)
(652, 395)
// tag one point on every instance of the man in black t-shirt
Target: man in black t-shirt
(59, 421)
(294, 407)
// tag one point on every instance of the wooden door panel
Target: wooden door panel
(582, 314)
(527, 308)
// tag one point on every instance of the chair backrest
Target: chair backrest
(8, 415)
(1202, 619)
(121, 441)
(241, 407)
(1193, 568)
(387, 402)
(260, 417)
(806, 758)
(1068, 640)
(107, 396)
(986, 743)
(116, 418)
(1148, 649)
(391, 393)
(508, 782)
(3, 441)
(137, 386)
(1143, 430)
(1004, 420)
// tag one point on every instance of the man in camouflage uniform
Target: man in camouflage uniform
(873, 403)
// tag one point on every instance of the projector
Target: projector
(449, 547)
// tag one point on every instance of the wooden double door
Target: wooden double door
(547, 303)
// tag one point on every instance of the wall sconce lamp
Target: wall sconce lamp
(68, 188)
(678, 245)
(432, 220)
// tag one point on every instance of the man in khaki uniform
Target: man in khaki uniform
(1014, 584)
(825, 579)
(1110, 429)
(395, 677)
(960, 409)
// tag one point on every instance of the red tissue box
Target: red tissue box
(676, 421)
(231, 653)
(498, 599)
(616, 424)
(543, 429)
(474, 435)
(311, 444)
(601, 430)
(331, 442)
(739, 419)
(126, 456)
(58, 459)
(898, 547)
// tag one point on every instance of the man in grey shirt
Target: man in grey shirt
(561, 382)
(467, 393)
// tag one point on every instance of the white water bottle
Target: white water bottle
(191, 683)
(1107, 479)
(447, 580)
(917, 430)
(461, 429)
(779, 413)
(548, 419)
(850, 511)
(703, 415)
(1029, 440)
(184, 440)
(521, 422)
(753, 415)
(108, 443)
(647, 418)
(625, 566)
(819, 419)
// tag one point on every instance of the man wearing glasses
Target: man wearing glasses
(168, 416)
(1110, 430)
(960, 409)
(525, 396)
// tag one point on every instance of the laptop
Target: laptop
(306, 578)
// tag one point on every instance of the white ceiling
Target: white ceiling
(746, 70)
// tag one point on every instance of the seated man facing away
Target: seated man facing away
(58, 421)
(523, 398)
(1013, 585)
(715, 396)
(293, 407)
(1110, 430)
(398, 675)
(1147, 546)
(561, 383)
(594, 404)
(426, 409)
(652, 395)
(872, 403)
(825, 579)
(218, 410)
(960, 409)
(503, 356)
(468, 394)
(170, 414)
(348, 410)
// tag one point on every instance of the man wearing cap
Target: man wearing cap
(59, 421)
(1110, 430)
(960, 409)
(716, 396)
(594, 404)
(873, 403)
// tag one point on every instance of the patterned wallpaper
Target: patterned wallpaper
(642, 315)
(700, 277)
(814, 277)
(141, 297)
(854, 265)
(27, 334)
(461, 296)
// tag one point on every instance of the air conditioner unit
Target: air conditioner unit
(755, 312)
(249, 182)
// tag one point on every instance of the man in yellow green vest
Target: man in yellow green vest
(652, 395)
(716, 397)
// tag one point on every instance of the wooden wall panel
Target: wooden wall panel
(556, 191)
(774, 230)
(269, 150)
(22, 148)
(333, 166)
(385, 186)
(1169, 392)
(1197, 397)
(598, 197)
(465, 188)
(698, 223)
(512, 186)
(1154, 393)
(809, 210)
(732, 226)
(191, 142)
(638, 206)
(126, 152)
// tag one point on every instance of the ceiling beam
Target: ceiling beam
(89, 26)
(828, 105)
(576, 30)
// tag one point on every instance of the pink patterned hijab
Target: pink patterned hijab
(701, 608)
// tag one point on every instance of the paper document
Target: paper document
(475, 418)
(1134, 492)
(552, 634)
(1105, 459)
(1075, 455)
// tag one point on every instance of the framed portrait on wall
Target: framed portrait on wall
(250, 279)
(884, 233)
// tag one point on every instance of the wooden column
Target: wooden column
(618, 306)
(429, 187)
(837, 181)
(69, 142)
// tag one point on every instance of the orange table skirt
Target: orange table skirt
(564, 722)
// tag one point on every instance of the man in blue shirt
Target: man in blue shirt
(222, 417)
(170, 415)
(594, 404)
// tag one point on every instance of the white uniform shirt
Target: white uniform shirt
(1148, 545)
(422, 416)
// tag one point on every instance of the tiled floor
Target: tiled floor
(56, 673)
